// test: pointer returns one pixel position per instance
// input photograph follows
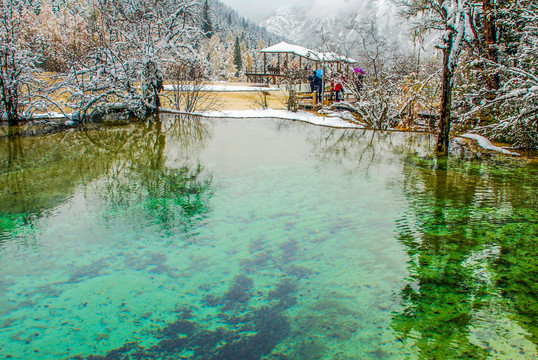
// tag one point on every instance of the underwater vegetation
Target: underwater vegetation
(246, 332)
(248, 328)
(466, 250)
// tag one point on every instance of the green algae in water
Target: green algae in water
(262, 239)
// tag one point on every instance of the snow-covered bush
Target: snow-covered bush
(186, 90)
(419, 96)
(292, 80)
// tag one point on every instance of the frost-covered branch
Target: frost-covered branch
(513, 105)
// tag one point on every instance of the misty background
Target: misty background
(258, 11)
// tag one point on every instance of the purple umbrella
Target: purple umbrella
(359, 70)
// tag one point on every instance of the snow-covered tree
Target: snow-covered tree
(248, 61)
(135, 40)
(216, 53)
(386, 91)
(258, 57)
(207, 24)
(230, 69)
(451, 18)
(68, 33)
(20, 52)
(238, 57)
(513, 102)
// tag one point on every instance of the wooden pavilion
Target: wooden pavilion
(310, 59)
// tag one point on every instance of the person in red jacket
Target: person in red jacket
(338, 87)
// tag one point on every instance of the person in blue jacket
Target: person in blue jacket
(318, 84)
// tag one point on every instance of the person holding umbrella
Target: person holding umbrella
(359, 78)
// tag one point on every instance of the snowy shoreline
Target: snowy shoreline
(304, 116)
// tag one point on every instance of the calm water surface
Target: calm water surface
(262, 239)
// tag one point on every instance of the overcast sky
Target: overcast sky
(258, 10)
(255, 9)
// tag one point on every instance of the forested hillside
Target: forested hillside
(231, 35)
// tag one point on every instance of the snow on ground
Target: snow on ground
(346, 115)
(49, 115)
(486, 144)
(284, 114)
(217, 88)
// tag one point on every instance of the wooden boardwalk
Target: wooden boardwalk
(308, 101)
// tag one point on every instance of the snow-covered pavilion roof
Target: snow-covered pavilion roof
(284, 47)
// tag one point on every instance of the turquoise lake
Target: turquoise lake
(263, 239)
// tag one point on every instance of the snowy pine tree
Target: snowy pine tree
(207, 24)
(238, 58)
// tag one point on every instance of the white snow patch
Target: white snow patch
(49, 115)
(486, 144)
(345, 115)
(284, 114)
(217, 88)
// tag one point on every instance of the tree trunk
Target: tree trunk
(490, 37)
(9, 98)
(446, 97)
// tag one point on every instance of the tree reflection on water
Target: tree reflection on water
(470, 235)
(43, 172)
(461, 276)
(360, 150)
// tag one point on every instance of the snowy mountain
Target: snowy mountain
(319, 28)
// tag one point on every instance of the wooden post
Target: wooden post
(264, 63)
(287, 60)
(324, 73)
